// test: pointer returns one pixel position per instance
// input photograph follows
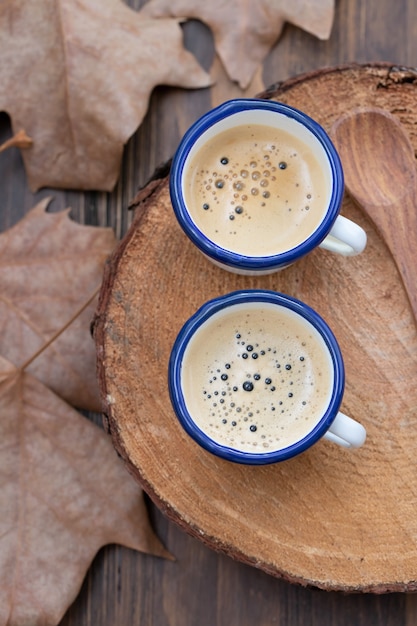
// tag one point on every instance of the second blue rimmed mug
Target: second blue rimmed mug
(257, 377)
(256, 184)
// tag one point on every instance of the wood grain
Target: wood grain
(331, 518)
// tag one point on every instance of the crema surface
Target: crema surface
(257, 378)
(256, 190)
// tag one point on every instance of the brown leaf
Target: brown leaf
(49, 267)
(78, 76)
(63, 495)
(244, 32)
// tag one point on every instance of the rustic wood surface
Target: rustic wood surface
(204, 587)
(332, 518)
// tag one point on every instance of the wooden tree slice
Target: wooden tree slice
(333, 518)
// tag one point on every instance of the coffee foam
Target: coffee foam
(257, 377)
(256, 190)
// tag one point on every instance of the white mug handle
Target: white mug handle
(346, 432)
(346, 237)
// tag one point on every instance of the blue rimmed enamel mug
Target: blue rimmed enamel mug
(257, 377)
(332, 231)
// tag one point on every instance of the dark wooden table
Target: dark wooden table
(203, 588)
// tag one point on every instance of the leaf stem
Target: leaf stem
(19, 140)
(60, 331)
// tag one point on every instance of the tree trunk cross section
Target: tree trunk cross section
(332, 518)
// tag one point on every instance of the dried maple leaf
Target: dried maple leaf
(78, 76)
(244, 32)
(49, 267)
(63, 495)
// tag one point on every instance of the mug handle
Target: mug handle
(346, 432)
(346, 237)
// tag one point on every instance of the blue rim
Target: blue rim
(226, 256)
(174, 375)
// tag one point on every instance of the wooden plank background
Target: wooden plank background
(202, 588)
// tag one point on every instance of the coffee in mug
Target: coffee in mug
(256, 185)
(256, 190)
(257, 377)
